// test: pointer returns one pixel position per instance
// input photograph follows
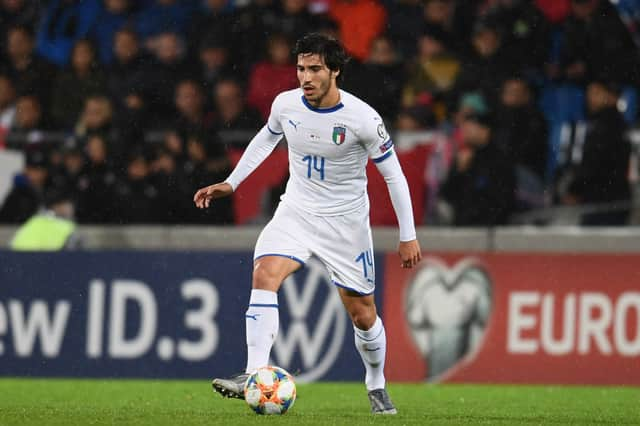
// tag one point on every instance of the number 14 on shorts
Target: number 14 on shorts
(366, 257)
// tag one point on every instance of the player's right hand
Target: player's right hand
(203, 196)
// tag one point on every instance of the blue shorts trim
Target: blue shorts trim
(384, 157)
(263, 305)
(281, 255)
(272, 132)
(337, 284)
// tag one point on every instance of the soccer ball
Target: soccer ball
(270, 390)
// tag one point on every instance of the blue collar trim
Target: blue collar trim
(321, 110)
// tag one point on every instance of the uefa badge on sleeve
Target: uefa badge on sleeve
(382, 132)
(339, 134)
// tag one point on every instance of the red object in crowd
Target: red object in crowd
(247, 199)
(555, 10)
(266, 81)
(414, 163)
(360, 21)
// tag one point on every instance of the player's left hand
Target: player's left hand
(410, 253)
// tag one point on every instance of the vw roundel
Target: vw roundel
(339, 134)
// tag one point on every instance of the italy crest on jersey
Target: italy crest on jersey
(339, 134)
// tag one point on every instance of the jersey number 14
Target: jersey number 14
(314, 163)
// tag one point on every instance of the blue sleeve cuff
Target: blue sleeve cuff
(274, 132)
(384, 157)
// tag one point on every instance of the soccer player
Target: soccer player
(324, 210)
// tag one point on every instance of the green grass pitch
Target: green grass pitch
(139, 402)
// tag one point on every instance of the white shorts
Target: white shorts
(342, 243)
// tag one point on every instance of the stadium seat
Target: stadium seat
(563, 103)
(414, 164)
(247, 199)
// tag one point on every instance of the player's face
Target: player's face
(317, 81)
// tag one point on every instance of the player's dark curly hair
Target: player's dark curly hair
(327, 47)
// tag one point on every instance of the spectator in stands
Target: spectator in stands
(521, 129)
(215, 18)
(485, 68)
(405, 21)
(601, 176)
(598, 45)
(132, 120)
(481, 182)
(470, 103)
(84, 78)
(214, 62)
(172, 187)
(525, 33)
(97, 120)
(30, 73)
(360, 21)
(293, 20)
(128, 82)
(232, 112)
(191, 117)
(137, 197)
(169, 68)
(26, 195)
(64, 22)
(113, 17)
(72, 164)
(328, 27)
(207, 161)
(129, 70)
(434, 71)
(379, 80)
(7, 107)
(96, 117)
(416, 118)
(174, 145)
(250, 25)
(28, 123)
(18, 12)
(272, 76)
(96, 185)
(164, 16)
(28, 114)
(440, 14)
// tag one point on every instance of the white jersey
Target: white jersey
(328, 151)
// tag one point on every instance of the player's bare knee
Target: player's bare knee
(265, 279)
(363, 318)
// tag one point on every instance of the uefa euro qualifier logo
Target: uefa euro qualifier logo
(447, 310)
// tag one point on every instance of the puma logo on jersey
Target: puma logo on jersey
(294, 124)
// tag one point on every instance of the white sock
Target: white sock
(262, 327)
(372, 345)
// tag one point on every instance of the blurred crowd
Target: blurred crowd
(126, 107)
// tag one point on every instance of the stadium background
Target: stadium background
(523, 292)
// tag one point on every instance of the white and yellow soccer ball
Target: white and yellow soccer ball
(270, 390)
